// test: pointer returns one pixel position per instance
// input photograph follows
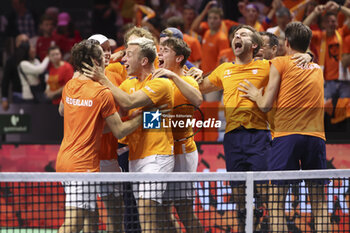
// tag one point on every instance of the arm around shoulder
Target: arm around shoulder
(121, 129)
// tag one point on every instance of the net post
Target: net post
(249, 205)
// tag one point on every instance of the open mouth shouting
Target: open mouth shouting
(161, 62)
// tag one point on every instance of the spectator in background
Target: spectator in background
(46, 39)
(29, 68)
(66, 34)
(53, 12)
(21, 20)
(251, 16)
(189, 14)
(60, 72)
(283, 17)
(175, 8)
(10, 76)
(214, 41)
(104, 16)
(202, 27)
(227, 55)
(192, 42)
(330, 45)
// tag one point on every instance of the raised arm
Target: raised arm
(316, 12)
(123, 99)
(30, 68)
(196, 22)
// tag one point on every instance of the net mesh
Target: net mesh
(197, 204)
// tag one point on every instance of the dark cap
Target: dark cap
(172, 32)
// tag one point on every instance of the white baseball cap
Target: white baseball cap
(99, 37)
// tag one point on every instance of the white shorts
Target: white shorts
(151, 164)
(81, 194)
(107, 188)
(186, 162)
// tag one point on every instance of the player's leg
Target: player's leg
(91, 221)
(111, 195)
(315, 158)
(284, 156)
(184, 192)
(236, 160)
(257, 152)
(73, 221)
(150, 194)
(80, 197)
(276, 206)
(169, 223)
(319, 206)
(115, 212)
(147, 214)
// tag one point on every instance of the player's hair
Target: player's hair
(180, 48)
(256, 38)
(147, 48)
(217, 11)
(139, 32)
(273, 39)
(84, 52)
(176, 22)
(298, 36)
(54, 47)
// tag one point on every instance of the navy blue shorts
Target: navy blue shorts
(247, 149)
(296, 151)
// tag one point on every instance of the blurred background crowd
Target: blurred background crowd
(36, 38)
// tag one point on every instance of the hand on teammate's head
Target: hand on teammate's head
(117, 55)
(95, 72)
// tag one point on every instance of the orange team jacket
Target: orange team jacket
(212, 45)
(195, 46)
(86, 105)
(109, 143)
(332, 53)
(188, 145)
(240, 111)
(146, 142)
(117, 67)
(300, 100)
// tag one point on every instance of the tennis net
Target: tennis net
(288, 201)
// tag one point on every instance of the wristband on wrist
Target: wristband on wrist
(312, 56)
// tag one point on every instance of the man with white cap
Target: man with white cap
(111, 193)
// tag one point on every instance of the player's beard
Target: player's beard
(244, 50)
